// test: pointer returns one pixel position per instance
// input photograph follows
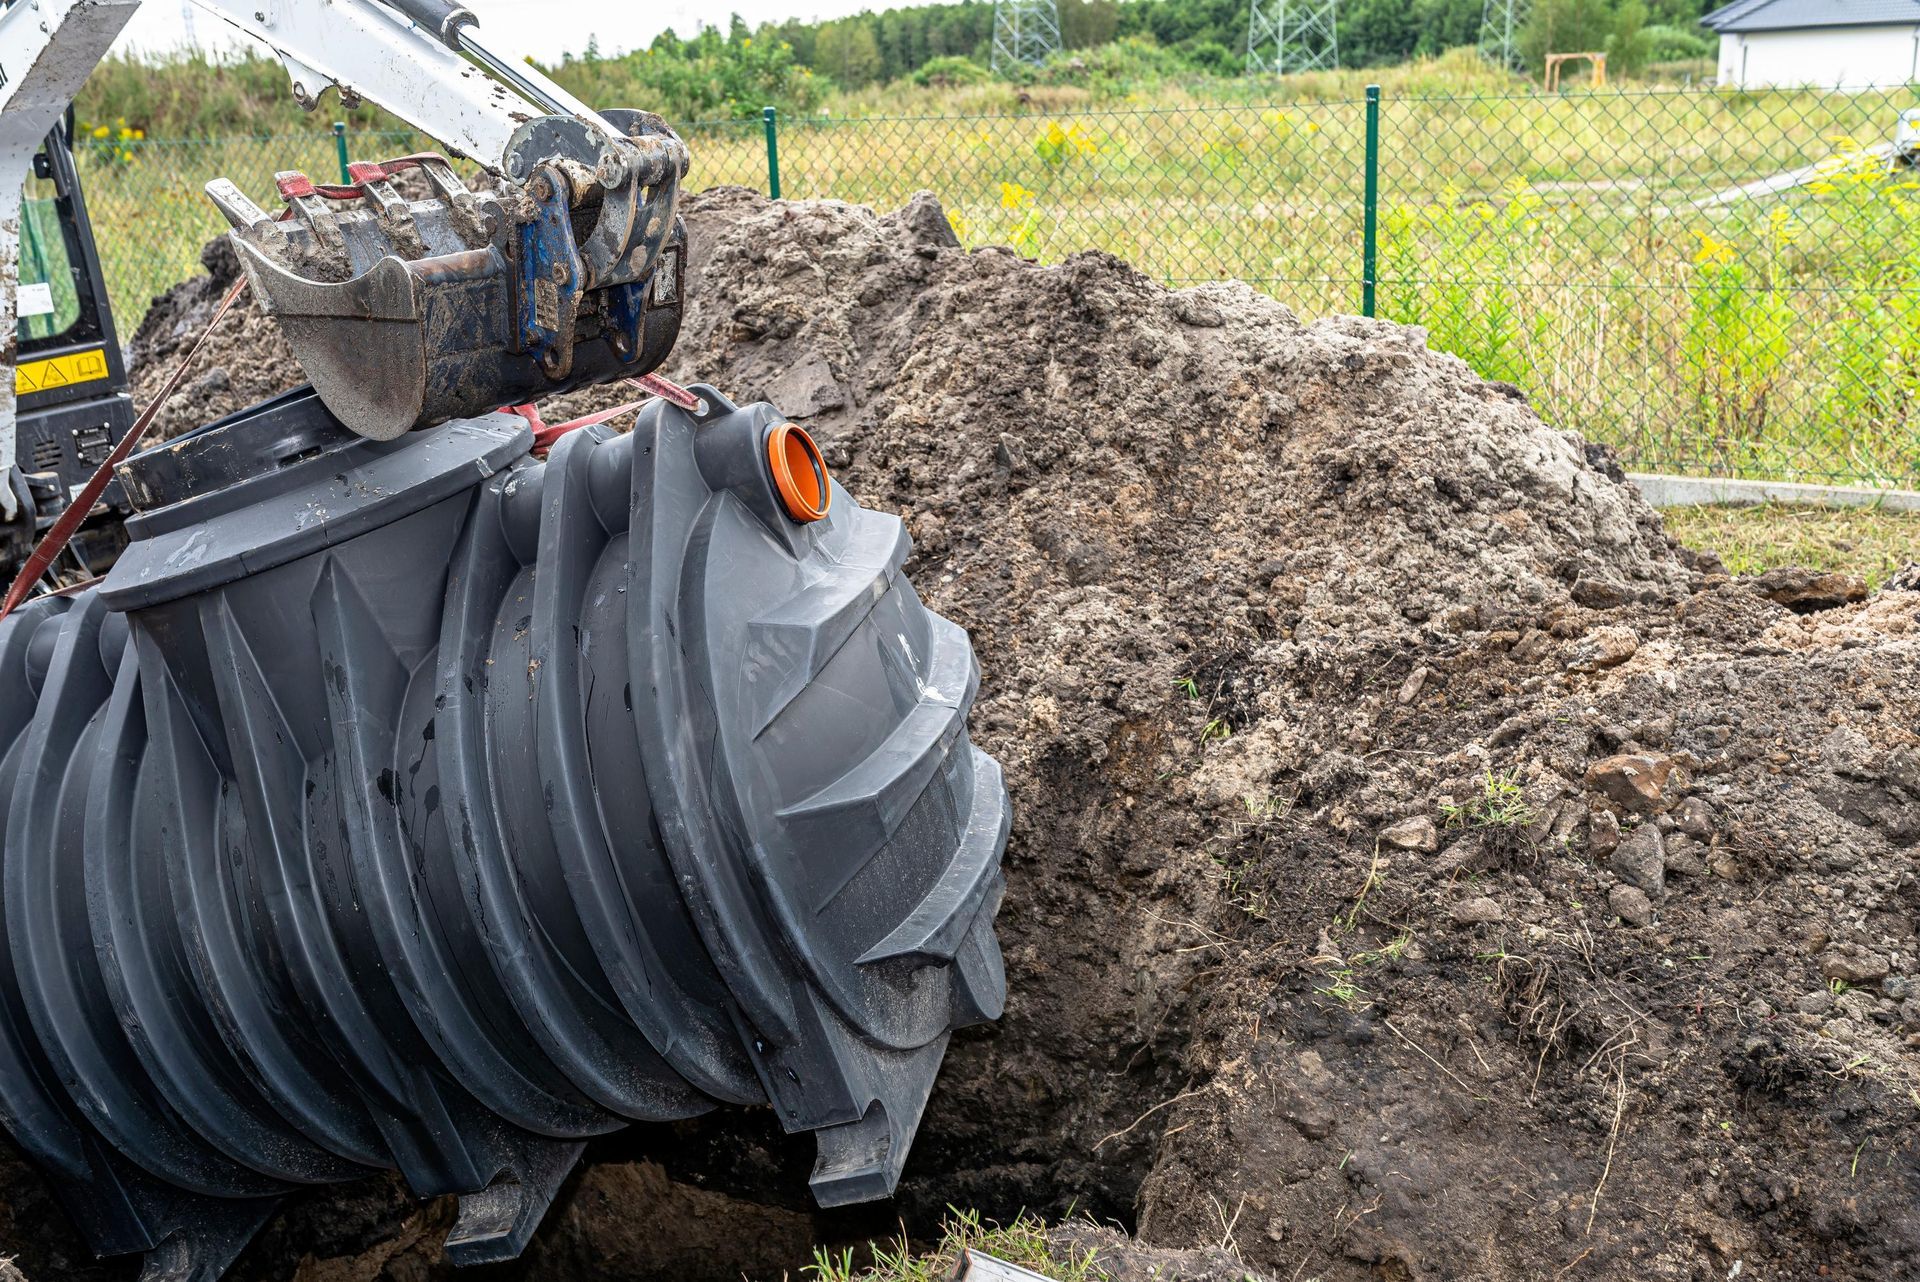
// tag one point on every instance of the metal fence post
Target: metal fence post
(340, 149)
(771, 118)
(1370, 215)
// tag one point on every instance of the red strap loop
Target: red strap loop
(295, 185)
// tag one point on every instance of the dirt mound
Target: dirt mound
(244, 361)
(1307, 651)
(1422, 868)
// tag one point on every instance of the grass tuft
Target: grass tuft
(1023, 1242)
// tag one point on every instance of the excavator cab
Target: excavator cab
(70, 379)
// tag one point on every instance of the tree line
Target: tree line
(1205, 35)
(732, 72)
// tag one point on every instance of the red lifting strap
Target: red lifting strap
(295, 185)
(545, 434)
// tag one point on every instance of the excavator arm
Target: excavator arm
(564, 271)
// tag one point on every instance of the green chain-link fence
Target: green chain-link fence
(1715, 282)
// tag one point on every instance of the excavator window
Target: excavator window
(56, 303)
(48, 299)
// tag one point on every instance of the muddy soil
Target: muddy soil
(245, 360)
(1422, 867)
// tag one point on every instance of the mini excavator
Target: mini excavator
(415, 794)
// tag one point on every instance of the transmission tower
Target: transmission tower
(1286, 36)
(1501, 22)
(1025, 32)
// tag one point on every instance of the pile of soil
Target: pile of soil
(1422, 867)
(244, 361)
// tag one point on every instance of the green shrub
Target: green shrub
(950, 72)
(1117, 69)
(710, 77)
(198, 95)
(1667, 43)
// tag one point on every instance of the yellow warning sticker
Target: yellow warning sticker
(60, 371)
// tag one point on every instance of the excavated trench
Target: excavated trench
(1422, 867)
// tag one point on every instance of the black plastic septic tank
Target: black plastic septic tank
(423, 805)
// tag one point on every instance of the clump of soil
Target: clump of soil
(1422, 867)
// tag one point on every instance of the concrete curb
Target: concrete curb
(1698, 491)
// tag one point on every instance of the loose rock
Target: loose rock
(1641, 860)
(1603, 833)
(1415, 833)
(1632, 780)
(1804, 591)
(1603, 648)
(1848, 752)
(1476, 911)
(1694, 817)
(1630, 904)
(1855, 968)
(1684, 856)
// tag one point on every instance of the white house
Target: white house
(1832, 44)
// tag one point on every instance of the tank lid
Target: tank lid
(279, 481)
(257, 442)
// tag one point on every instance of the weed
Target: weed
(1391, 951)
(1341, 988)
(1262, 811)
(1238, 874)
(1375, 878)
(1237, 883)
(1023, 1242)
(1502, 803)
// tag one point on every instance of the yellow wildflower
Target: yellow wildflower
(1712, 250)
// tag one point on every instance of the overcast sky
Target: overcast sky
(544, 28)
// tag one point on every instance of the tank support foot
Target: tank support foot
(496, 1222)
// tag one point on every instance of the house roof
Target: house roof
(1788, 15)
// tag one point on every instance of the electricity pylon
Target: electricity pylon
(1025, 32)
(1501, 22)
(1286, 36)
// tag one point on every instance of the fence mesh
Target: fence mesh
(1714, 282)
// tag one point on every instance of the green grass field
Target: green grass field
(1578, 246)
(1868, 542)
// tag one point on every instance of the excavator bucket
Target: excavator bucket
(406, 311)
(422, 805)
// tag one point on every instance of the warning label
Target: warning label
(60, 371)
